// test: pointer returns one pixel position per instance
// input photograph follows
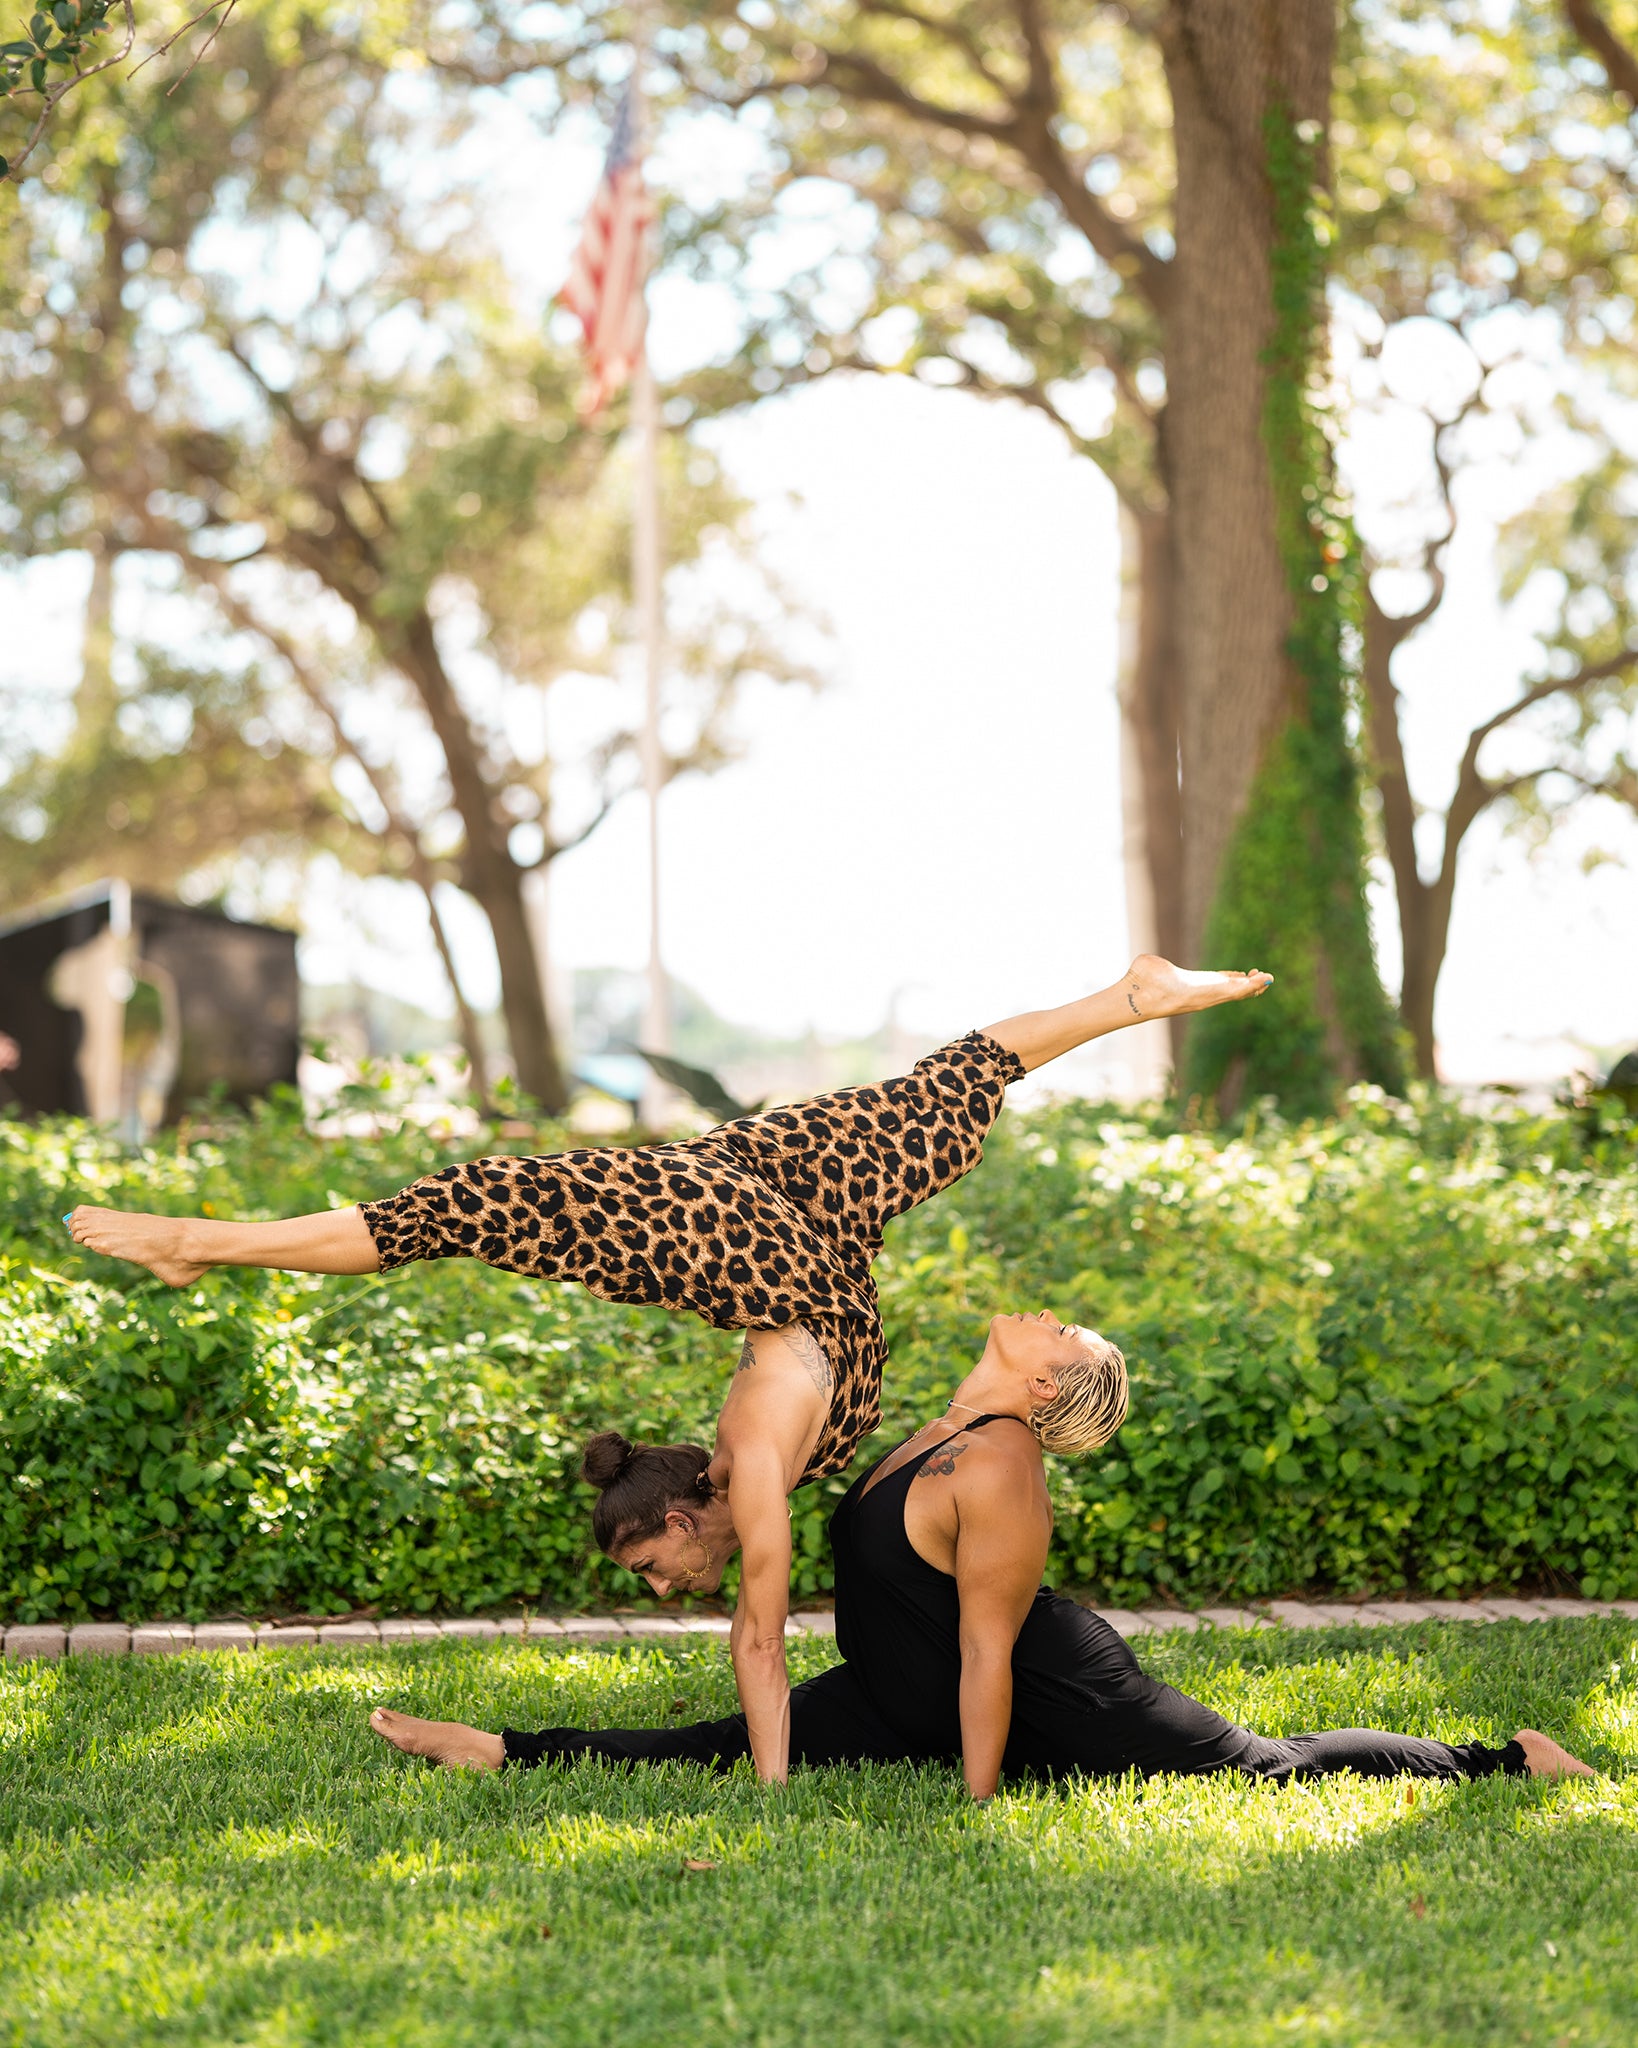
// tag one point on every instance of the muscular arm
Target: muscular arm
(757, 1637)
(768, 1425)
(1001, 1545)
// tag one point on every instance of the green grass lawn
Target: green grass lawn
(216, 1849)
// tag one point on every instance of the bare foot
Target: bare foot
(1155, 988)
(442, 1742)
(157, 1242)
(1546, 1759)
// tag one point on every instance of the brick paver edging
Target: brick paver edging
(166, 1638)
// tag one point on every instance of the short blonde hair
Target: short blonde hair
(1090, 1404)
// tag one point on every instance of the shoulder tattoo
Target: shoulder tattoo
(808, 1350)
(940, 1464)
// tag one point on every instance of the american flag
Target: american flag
(605, 287)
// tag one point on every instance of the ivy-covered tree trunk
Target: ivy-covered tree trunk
(1273, 857)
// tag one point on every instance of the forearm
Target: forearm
(765, 1695)
(986, 1716)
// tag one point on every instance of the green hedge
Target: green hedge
(1400, 1348)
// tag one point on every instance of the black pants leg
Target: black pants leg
(831, 1723)
(1116, 1718)
(1374, 1753)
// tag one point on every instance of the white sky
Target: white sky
(940, 826)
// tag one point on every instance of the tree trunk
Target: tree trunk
(1273, 852)
(94, 702)
(1152, 825)
(489, 871)
(1422, 945)
(1227, 62)
(103, 373)
(465, 1019)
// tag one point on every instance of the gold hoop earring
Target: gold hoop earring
(690, 1577)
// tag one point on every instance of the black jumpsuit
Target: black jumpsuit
(1081, 1702)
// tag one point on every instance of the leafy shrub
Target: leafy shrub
(1397, 1348)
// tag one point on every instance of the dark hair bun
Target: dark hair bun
(605, 1457)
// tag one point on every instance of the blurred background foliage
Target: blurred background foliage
(263, 341)
(1388, 1350)
(256, 337)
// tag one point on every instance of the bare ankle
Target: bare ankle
(193, 1242)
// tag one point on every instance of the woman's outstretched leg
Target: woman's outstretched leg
(1151, 987)
(179, 1248)
(1376, 1753)
(854, 1159)
(716, 1744)
(674, 1226)
(832, 1722)
(459, 1747)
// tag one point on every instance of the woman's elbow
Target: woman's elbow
(985, 1649)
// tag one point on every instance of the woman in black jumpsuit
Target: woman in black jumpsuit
(1081, 1701)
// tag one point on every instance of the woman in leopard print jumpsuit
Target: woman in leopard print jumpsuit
(768, 1224)
(762, 1223)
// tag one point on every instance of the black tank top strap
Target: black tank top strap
(872, 1481)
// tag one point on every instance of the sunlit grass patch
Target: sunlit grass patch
(218, 1850)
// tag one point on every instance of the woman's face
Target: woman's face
(1039, 1345)
(686, 1556)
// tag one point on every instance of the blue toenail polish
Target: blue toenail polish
(69, 1218)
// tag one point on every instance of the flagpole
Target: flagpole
(646, 581)
(647, 588)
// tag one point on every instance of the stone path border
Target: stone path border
(50, 1640)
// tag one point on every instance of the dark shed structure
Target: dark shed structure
(126, 1007)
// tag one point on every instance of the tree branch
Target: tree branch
(317, 454)
(1027, 129)
(421, 868)
(1474, 792)
(56, 93)
(1383, 636)
(1043, 76)
(1620, 64)
(875, 84)
(555, 846)
(950, 32)
(1550, 686)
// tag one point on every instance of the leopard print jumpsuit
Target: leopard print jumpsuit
(764, 1221)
